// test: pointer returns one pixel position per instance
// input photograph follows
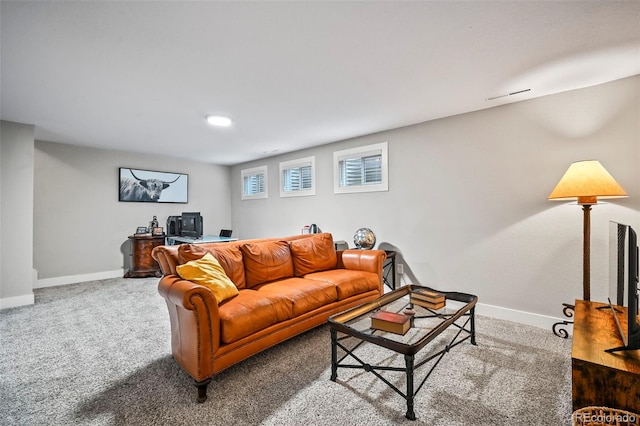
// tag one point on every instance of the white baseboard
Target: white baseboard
(522, 317)
(14, 302)
(72, 279)
(29, 299)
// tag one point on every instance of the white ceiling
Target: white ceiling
(141, 76)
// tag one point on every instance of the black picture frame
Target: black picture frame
(149, 186)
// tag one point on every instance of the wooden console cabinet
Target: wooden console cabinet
(142, 264)
(600, 378)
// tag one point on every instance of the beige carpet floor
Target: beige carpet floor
(98, 353)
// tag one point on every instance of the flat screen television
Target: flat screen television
(624, 257)
(191, 225)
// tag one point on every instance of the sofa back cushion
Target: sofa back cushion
(229, 256)
(313, 254)
(266, 261)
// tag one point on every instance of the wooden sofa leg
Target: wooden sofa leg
(202, 390)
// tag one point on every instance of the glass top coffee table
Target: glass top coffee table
(426, 325)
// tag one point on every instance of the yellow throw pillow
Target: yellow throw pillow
(208, 272)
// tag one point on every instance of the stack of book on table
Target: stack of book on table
(390, 321)
(428, 299)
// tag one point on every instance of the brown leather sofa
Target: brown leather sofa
(286, 286)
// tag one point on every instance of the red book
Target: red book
(390, 321)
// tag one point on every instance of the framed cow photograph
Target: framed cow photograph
(149, 186)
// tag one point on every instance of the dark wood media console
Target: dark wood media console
(600, 378)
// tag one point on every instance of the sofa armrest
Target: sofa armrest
(167, 258)
(363, 260)
(195, 324)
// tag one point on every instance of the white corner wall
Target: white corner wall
(467, 203)
(16, 214)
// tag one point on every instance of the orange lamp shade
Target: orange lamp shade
(587, 181)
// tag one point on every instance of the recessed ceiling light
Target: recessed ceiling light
(219, 120)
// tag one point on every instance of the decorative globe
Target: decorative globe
(364, 238)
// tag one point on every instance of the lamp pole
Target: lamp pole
(586, 253)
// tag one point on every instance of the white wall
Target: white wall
(467, 202)
(80, 227)
(467, 205)
(16, 214)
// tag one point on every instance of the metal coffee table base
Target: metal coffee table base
(465, 332)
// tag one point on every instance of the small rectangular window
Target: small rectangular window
(362, 169)
(297, 177)
(254, 183)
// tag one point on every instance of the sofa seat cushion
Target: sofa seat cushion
(348, 282)
(304, 295)
(313, 254)
(266, 261)
(229, 256)
(251, 311)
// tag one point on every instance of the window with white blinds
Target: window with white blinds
(362, 169)
(254, 183)
(297, 177)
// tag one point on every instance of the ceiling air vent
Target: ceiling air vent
(508, 94)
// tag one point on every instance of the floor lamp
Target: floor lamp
(586, 182)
